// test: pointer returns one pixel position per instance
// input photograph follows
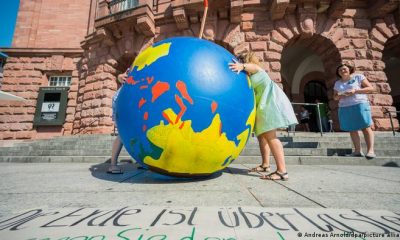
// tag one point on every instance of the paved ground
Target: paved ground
(230, 205)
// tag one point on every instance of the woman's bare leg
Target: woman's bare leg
(355, 138)
(369, 139)
(116, 150)
(265, 151)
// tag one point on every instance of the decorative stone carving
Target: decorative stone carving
(278, 9)
(307, 18)
(180, 18)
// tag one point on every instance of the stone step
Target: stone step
(246, 153)
(290, 160)
(337, 135)
(106, 139)
(322, 152)
(106, 145)
(324, 149)
(279, 134)
(385, 144)
(327, 160)
(380, 145)
(330, 140)
(250, 150)
(97, 148)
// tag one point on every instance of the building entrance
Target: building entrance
(314, 90)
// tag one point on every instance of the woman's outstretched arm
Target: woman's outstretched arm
(248, 67)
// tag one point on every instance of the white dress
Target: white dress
(273, 108)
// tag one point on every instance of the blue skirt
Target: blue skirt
(355, 117)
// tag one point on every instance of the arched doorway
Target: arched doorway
(307, 64)
(302, 56)
(391, 57)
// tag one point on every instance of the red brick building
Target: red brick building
(84, 44)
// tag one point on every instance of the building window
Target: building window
(115, 6)
(132, 4)
(60, 81)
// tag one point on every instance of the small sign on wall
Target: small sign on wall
(49, 116)
(50, 107)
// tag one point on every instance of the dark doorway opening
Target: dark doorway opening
(314, 90)
(391, 57)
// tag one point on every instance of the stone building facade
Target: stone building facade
(3, 59)
(300, 43)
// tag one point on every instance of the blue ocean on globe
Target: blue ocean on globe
(182, 111)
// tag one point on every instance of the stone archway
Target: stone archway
(319, 38)
(300, 58)
(306, 59)
(391, 58)
(383, 44)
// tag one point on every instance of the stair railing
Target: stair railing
(388, 112)
(318, 113)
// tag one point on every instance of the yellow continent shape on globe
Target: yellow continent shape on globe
(189, 152)
(150, 55)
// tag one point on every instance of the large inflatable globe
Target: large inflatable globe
(182, 111)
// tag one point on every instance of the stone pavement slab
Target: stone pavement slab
(233, 204)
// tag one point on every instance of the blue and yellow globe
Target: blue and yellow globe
(182, 111)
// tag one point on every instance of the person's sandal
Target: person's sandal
(282, 176)
(370, 156)
(260, 168)
(354, 154)
(115, 170)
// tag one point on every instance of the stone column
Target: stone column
(97, 86)
(382, 30)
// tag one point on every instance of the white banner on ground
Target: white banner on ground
(200, 223)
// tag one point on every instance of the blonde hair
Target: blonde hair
(249, 57)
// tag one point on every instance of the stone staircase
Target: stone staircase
(329, 149)
(300, 148)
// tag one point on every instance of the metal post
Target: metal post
(203, 20)
(319, 120)
(391, 122)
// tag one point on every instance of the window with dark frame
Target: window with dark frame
(60, 81)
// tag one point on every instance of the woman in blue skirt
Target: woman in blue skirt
(354, 110)
(273, 111)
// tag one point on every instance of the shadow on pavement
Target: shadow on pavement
(135, 173)
(391, 164)
(244, 171)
